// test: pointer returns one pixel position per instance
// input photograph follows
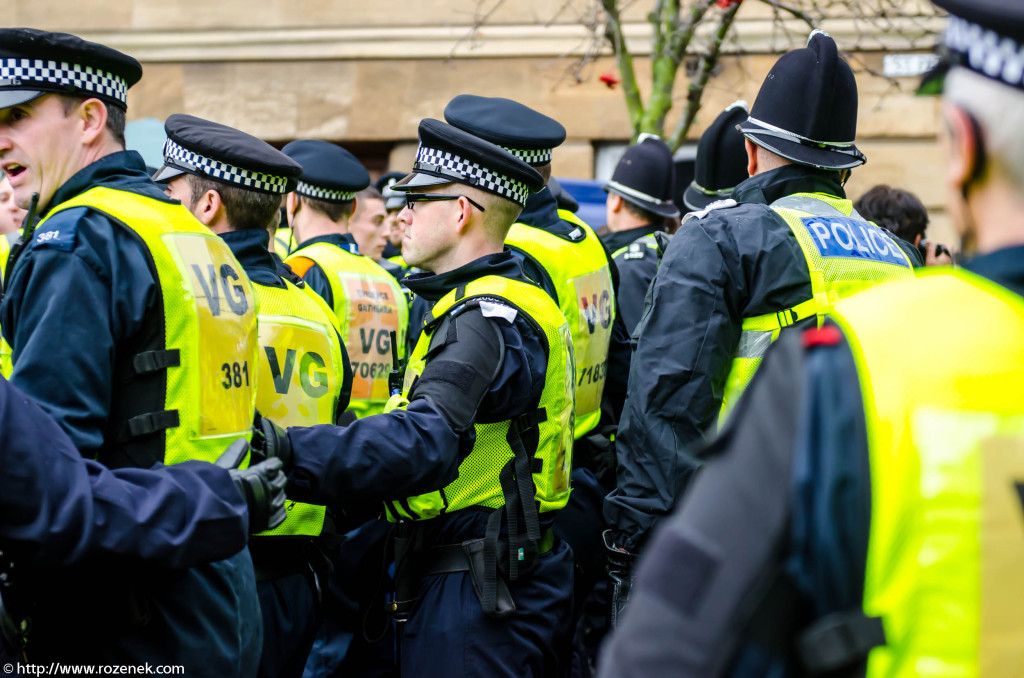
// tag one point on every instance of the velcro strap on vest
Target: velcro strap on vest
(151, 422)
(838, 641)
(154, 361)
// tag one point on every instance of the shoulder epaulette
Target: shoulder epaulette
(717, 205)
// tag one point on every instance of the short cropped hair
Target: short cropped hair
(640, 213)
(245, 209)
(335, 211)
(116, 116)
(895, 209)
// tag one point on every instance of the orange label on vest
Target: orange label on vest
(226, 311)
(591, 336)
(296, 375)
(372, 316)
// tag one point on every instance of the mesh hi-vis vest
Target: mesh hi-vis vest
(208, 351)
(583, 282)
(478, 483)
(301, 375)
(946, 441)
(6, 242)
(844, 254)
(369, 305)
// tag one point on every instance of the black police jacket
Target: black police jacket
(636, 270)
(732, 263)
(794, 464)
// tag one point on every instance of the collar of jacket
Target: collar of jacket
(1005, 267)
(124, 171)
(616, 240)
(249, 246)
(768, 187)
(345, 241)
(541, 212)
(433, 287)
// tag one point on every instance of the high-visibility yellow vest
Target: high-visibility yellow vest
(645, 241)
(478, 483)
(583, 282)
(6, 243)
(946, 440)
(284, 242)
(369, 305)
(301, 376)
(844, 254)
(208, 311)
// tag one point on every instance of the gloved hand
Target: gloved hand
(621, 572)
(262, 486)
(269, 441)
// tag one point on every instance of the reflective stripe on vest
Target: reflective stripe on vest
(946, 441)
(478, 482)
(301, 375)
(583, 281)
(209, 319)
(369, 305)
(844, 254)
(638, 245)
(284, 242)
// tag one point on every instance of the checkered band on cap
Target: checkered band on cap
(531, 156)
(986, 51)
(180, 156)
(317, 193)
(467, 172)
(21, 73)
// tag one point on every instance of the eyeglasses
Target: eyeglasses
(412, 198)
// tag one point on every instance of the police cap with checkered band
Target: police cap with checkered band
(984, 36)
(525, 133)
(224, 154)
(329, 172)
(34, 63)
(447, 154)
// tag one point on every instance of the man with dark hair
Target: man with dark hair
(136, 306)
(234, 184)
(862, 515)
(903, 215)
(781, 251)
(367, 223)
(366, 300)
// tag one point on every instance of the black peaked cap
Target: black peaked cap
(721, 159)
(563, 198)
(447, 154)
(646, 177)
(34, 62)
(225, 154)
(329, 172)
(984, 36)
(525, 133)
(387, 179)
(806, 110)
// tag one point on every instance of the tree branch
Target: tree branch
(630, 88)
(695, 90)
(478, 23)
(796, 12)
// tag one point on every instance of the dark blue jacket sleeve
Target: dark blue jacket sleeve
(318, 282)
(635, 276)
(71, 299)
(59, 508)
(408, 452)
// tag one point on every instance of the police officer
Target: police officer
(639, 200)
(302, 377)
(392, 205)
(95, 296)
(58, 509)
(735, 274)
(476, 464)
(366, 299)
(863, 514)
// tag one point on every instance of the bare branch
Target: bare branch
(478, 23)
(796, 12)
(695, 90)
(565, 6)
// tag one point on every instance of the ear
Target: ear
(291, 206)
(92, 114)
(208, 206)
(751, 148)
(466, 211)
(615, 202)
(963, 147)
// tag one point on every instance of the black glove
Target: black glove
(261, 485)
(269, 441)
(621, 572)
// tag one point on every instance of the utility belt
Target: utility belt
(277, 557)
(491, 561)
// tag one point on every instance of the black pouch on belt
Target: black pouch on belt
(407, 578)
(488, 584)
